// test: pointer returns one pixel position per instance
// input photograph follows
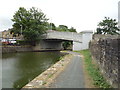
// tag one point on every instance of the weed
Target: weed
(50, 75)
(44, 83)
(94, 71)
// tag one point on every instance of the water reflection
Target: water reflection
(20, 68)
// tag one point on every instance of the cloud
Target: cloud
(81, 14)
(5, 23)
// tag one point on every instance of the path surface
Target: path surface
(72, 76)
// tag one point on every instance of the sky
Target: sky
(80, 14)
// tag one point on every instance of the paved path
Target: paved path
(72, 76)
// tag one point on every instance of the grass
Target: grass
(93, 71)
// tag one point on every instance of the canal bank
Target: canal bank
(13, 49)
(48, 76)
(66, 73)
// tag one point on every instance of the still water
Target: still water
(20, 68)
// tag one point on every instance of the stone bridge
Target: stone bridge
(52, 40)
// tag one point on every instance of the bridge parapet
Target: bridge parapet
(71, 36)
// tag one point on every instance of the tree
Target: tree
(51, 26)
(67, 44)
(31, 22)
(62, 28)
(72, 29)
(65, 28)
(108, 26)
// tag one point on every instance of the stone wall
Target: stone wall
(55, 46)
(9, 49)
(105, 49)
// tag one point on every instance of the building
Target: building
(7, 35)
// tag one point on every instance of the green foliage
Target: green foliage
(31, 22)
(65, 28)
(72, 29)
(22, 42)
(62, 28)
(51, 26)
(108, 26)
(94, 71)
(66, 44)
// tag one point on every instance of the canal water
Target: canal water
(20, 68)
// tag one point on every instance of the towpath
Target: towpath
(72, 76)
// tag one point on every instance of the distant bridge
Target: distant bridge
(52, 40)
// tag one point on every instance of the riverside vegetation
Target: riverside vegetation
(93, 71)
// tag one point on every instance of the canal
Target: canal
(20, 68)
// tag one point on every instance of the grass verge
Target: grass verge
(93, 71)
